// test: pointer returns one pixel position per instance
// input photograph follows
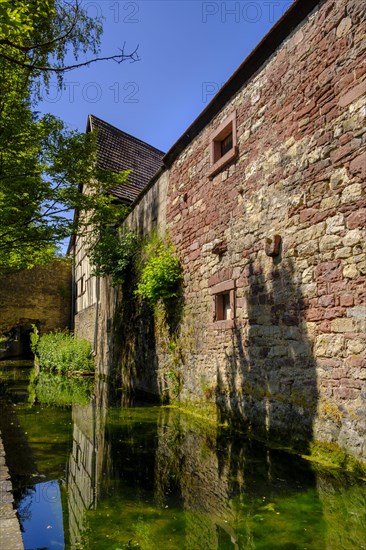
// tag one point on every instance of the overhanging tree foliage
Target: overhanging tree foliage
(43, 166)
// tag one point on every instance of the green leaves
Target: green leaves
(44, 167)
(154, 264)
(61, 352)
(113, 253)
(14, 20)
(160, 273)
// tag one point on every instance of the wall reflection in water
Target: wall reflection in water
(148, 477)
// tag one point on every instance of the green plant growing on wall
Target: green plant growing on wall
(113, 253)
(161, 272)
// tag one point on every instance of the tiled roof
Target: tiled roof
(117, 151)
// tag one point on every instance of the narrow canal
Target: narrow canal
(146, 477)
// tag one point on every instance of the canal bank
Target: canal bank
(10, 535)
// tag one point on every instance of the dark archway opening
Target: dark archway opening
(16, 343)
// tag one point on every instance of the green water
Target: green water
(148, 477)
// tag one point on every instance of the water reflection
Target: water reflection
(155, 478)
(40, 513)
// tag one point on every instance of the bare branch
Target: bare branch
(120, 58)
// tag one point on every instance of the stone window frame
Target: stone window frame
(217, 291)
(217, 160)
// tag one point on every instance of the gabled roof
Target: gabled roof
(118, 151)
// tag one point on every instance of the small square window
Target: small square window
(223, 307)
(223, 145)
(223, 304)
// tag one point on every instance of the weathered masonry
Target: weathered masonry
(40, 296)
(264, 199)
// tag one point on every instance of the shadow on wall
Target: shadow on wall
(147, 357)
(134, 357)
(269, 381)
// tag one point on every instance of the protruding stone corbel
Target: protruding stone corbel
(273, 245)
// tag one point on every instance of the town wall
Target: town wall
(283, 226)
(294, 361)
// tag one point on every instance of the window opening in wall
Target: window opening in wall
(81, 286)
(223, 307)
(223, 304)
(226, 144)
(223, 145)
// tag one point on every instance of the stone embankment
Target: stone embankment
(10, 535)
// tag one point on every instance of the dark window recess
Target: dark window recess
(223, 304)
(223, 307)
(223, 146)
(226, 144)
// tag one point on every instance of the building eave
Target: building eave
(298, 11)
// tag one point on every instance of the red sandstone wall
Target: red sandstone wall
(295, 361)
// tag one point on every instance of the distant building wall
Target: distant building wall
(40, 295)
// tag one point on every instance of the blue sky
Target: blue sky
(188, 48)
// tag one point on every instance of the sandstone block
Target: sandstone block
(344, 27)
(346, 300)
(335, 224)
(358, 312)
(357, 219)
(352, 237)
(327, 300)
(329, 242)
(342, 325)
(355, 346)
(328, 271)
(308, 249)
(352, 95)
(351, 193)
(346, 393)
(330, 202)
(350, 271)
(308, 275)
(328, 345)
(338, 177)
(344, 252)
(357, 166)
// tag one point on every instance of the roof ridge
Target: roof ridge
(91, 116)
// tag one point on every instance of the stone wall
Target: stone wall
(85, 324)
(40, 295)
(293, 359)
(150, 211)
